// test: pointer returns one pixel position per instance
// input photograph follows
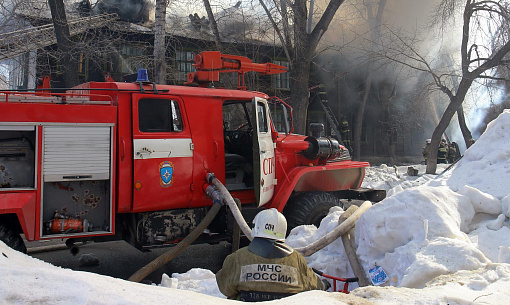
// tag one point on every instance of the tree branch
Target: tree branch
(493, 78)
(214, 25)
(324, 23)
(275, 26)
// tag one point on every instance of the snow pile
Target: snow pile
(330, 260)
(429, 236)
(410, 227)
(196, 279)
(26, 280)
(487, 166)
(395, 178)
(487, 285)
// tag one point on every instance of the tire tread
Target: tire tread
(12, 239)
(304, 207)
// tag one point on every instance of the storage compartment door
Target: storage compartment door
(77, 153)
(77, 188)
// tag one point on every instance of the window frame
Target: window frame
(175, 123)
(282, 80)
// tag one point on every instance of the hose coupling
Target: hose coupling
(212, 192)
(210, 177)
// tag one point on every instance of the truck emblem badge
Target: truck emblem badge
(166, 170)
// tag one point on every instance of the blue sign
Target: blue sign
(377, 275)
(166, 171)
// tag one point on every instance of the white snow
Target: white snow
(441, 239)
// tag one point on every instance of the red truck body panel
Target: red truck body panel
(152, 171)
(23, 204)
(36, 115)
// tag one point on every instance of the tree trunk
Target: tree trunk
(386, 95)
(375, 23)
(358, 123)
(453, 106)
(466, 134)
(299, 94)
(68, 62)
(300, 69)
(392, 145)
(159, 42)
(214, 25)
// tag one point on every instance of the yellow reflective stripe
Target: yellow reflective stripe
(274, 233)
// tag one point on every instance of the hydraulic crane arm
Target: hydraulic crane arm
(209, 65)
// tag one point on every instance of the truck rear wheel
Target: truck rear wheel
(12, 239)
(309, 208)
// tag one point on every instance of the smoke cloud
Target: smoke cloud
(136, 11)
(347, 49)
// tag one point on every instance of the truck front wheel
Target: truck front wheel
(12, 239)
(309, 208)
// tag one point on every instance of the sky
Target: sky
(440, 239)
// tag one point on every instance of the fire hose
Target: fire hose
(219, 194)
(231, 204)
(340, 230)
(181, 246)
(344, 229)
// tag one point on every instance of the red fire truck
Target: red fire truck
(116, 160)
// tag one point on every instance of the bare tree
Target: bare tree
(68, 62)
(478, 59)
(466, 133)
(475, 63)
(14, 72)
(299, 45)
(375, 23)
(28, 40)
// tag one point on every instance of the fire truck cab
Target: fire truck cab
(113, 160)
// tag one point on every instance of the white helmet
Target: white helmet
(428, 141)
(270, 224)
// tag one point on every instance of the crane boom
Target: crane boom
(209, 64)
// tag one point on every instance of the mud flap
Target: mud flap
(372, 195)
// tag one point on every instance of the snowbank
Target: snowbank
(449, 227)
(486, 165)
(26, 280)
